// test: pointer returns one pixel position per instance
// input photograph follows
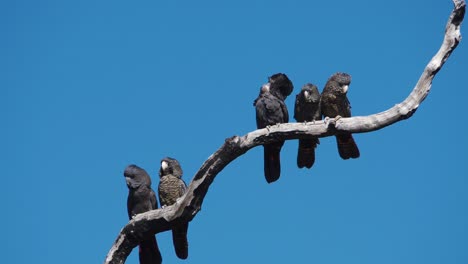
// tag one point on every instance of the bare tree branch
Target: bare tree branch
(156, 221)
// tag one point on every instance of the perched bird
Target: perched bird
(334, 103)
(171, 187)
(141, 198)
(271, 110)
(306, 109)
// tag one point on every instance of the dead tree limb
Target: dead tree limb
(156, 221)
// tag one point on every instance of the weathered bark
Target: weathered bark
(189, 205)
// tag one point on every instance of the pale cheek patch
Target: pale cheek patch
(164, 165)
(266, 87)
(345, 88)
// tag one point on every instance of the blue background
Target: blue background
(89, 87)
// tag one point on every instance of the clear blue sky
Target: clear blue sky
(89, 87)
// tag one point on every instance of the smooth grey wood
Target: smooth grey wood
(160, 220)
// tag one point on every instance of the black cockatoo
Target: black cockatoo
(171, 187)
(271, 110)
(141, 198)
(307, 109)
(334, 103)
